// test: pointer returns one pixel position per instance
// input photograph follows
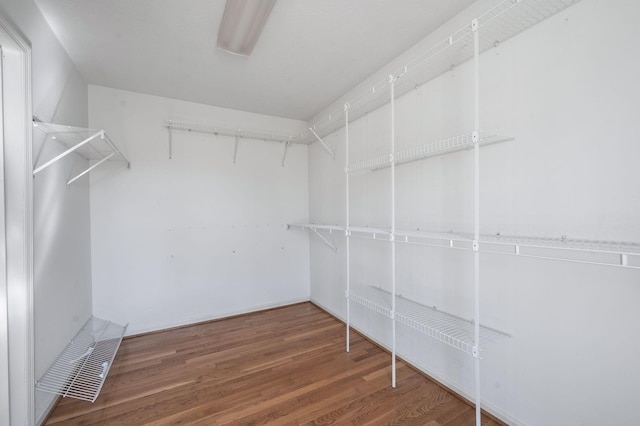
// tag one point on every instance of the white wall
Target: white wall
(194, 237)
(567, 90)
(62, 267)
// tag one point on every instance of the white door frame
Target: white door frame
(16, 285)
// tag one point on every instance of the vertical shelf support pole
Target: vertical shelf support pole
(476, 209)
(347, 233)
(392, 81)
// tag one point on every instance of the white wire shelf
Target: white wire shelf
(605, 253)
(219, 130)
(505, 20)
(80, 371)
(91, 144)
(447, 328)
(420, 152)
(372, 298)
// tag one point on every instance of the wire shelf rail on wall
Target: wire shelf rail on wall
(80, 371)
(596, 252)
(500, 23)
(91, 144)
(237, 133)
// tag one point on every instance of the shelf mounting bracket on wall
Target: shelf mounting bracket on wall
(235, 148)
(327, 242)
(331, 153)
(284, 154)
(315, 228)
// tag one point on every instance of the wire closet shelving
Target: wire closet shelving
(507, 19)
(93, 145)
(80, 371)
(236, 133)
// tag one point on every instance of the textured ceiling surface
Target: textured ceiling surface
(309, 54)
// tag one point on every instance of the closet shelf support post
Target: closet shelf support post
(346, 232)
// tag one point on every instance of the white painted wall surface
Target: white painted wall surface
(194, 237)
(568, 91)
(62, 251)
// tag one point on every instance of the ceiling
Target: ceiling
(309, 54)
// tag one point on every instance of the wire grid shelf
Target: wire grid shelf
(616, 253)
(507, 19)
(100, 146)
(434, 239)
(372, 298)
(80, 371)
(420, 152)
(446, 328)
(217, 130)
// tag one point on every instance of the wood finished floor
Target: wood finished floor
(285, 366)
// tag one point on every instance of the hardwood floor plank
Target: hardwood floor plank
(284, 366)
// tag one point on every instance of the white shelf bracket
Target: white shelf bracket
(331, 153)
(284, 154)
(170, 141)
(327, 242)
(69, 151)
(235, 150)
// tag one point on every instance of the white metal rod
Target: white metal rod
(67, 152)
(347, 233)
(476, 203)
(70, 181)
(393, 231)
(170, 143)
(323, 144)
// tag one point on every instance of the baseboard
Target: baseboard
(42, 413)
(206, 318)
(442, 381)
